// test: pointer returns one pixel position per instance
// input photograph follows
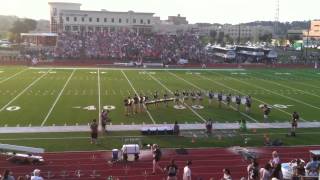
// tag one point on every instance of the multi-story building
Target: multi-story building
(69, 17)
(314, 30)
(177, 20)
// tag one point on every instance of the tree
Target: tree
(22, 26)
(220, 36)
(213, 35)
(265, 37)
(293, 38)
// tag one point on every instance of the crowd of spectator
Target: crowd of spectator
(270, 170)
(126, 45)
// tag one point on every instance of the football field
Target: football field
(47, 96)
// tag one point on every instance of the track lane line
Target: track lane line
(57, 99)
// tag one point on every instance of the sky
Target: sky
(209, 11)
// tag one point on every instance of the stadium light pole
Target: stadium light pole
(239, 34)
(307, 43)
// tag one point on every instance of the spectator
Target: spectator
(312, 165)
(226, 174)
(172, 171)
(7, 175)
(36, 175)
(176, 128)
(253, 170)
(277, 173)
(275, 159)
(187, 171)
(265, 173)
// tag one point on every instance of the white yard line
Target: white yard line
(99, 98)
(57, 99)
(150, 116)
(284, 86)
(197, 114)
(204, 90)
(30, 85)
(16, 74)
(142, 69)
(287, 97)
(223, 85)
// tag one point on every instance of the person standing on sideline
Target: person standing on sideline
(294, 123)
(103, 117)
(94, 131)
(156, 153)
(172, 170)
(187, 171)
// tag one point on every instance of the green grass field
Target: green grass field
(44, 96)
(80, 141)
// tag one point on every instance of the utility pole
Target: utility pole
(276, 18)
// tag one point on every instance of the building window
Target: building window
(98, 19)
(141, 21)
(149, 21)
(82, 19)
(112, 20)
(127, 20)
(98, 29)
(90, 28)
(90, 19)
(67, 19)
(105, 19)
(120, 20)
(134, 21)
(75, 28)
(75, 19)
(67, 28)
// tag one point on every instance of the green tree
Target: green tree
(213, 35)
(267, 37)
(22, 26)
(220, 36)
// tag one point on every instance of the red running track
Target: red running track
(207, 163)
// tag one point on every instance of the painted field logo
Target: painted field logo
(147, 72)
(197, 107)
(93, 72)
(193, 73)
(236, 73)
(109, 107)
(281, 106)
(179, 107)
(13, 108)
(282, 73)
(90, 108)
(1, 71)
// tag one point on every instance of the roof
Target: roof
(105, 12)
(40, 34)
(64, 3)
